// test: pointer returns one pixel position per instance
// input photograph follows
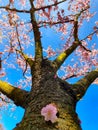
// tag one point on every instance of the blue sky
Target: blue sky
(87, 107)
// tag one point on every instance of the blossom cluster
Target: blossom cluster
(49, 112)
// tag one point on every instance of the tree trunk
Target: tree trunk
(51, 90)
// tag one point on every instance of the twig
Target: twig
(14, 9)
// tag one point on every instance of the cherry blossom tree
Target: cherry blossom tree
(48, 98)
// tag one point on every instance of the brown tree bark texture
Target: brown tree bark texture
(48, 89)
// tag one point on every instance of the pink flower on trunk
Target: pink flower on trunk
(49, 112)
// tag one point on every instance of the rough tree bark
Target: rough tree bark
(51, 90)
(54, 90)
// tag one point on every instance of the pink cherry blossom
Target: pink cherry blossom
(50, 52)
(49, 112)
(12, 1)
(23, 2)
(2, 74)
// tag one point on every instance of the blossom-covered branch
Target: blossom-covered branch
(61, 58)
(52, 23)
(14, 9)
(49, 6)
(15, 94)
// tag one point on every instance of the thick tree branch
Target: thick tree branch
(15, 94)
(61, 58)
(37, 35)
(82, 85)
